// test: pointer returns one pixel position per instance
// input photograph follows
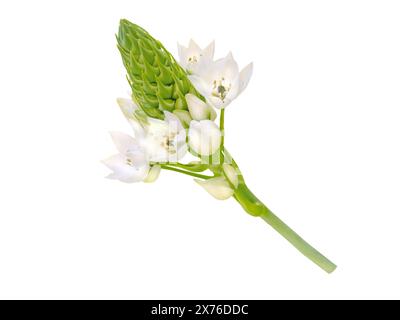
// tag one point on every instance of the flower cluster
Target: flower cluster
(163, 143)
(173, 111)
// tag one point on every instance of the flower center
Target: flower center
(168, 143)
(129, 162)
(193, 59)
(221, 88)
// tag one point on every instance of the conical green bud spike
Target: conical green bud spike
(158, 82)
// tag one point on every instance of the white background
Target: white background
(316, 135)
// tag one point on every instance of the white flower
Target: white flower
(130, 165)
(198, 109)
(220, 82)
(193, 58)
(163, 140)
(204, 137)
(218, 187)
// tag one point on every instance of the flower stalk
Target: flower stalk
(193, 174)
(222, 128)
(252, 205)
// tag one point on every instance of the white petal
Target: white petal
(182, 150)
(155, 148)
(245, 76)
(182, 53)
(137, 156)
(218, 187)
(124, 172)
(217, 102)
(208, 52)
(123, 142)
(140, 132)
(128, 108)
(194, 47)
(153, 174)
(198, 109)
(200, 85)
(204, 137)
(218, 66)
(212, 71)
(129, 148)
(231, 174)
(231, 68)
(176, 128)
(234, 90)
(173, 121)
(184, 117)
(180, 138)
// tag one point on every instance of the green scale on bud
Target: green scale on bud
(158, 82)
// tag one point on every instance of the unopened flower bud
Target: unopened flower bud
(199, 110)
(204, 137)
(153, 174)
(218, 187)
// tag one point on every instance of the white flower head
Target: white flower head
(220, 82)
(130, 164)
(193, 58)
(163, 140)
(204, 137)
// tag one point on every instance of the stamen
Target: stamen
(129, 162)
(193, 59)
(221, 88)
(169, 143)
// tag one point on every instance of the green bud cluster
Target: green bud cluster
(158, 82)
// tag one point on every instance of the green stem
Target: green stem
(221, 128)
(190, 167)
(193, 174)
(255, 207)
(193, 167)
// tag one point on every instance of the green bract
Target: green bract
(158, 82)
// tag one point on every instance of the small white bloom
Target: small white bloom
(204, 137)
(130, 165)
(218, 187)
(193, 57)
(198, 109)
(163, 140)
(220, 82)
